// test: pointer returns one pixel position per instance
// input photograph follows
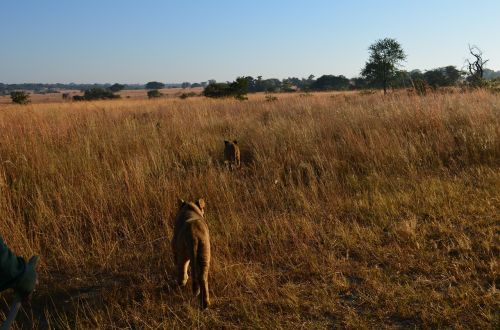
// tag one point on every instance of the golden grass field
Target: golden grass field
(350, 211)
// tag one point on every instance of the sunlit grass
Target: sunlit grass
(353, 211)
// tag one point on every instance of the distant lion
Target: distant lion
(231, 154)
(191, 244)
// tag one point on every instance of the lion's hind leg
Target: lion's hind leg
(194, 268)
(182, 264)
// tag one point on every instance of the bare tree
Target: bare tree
(475, 66)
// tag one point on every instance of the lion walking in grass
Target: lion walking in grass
(191, 246)
(232, 154)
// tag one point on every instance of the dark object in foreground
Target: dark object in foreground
(24, 287)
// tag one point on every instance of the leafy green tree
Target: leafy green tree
(155, 85)
(217, 90)
(382, 65)
(440, 77)
(237, 88)
(360, 83)
(330, 82)
(116, 87)
(453, 75)
(20, 97)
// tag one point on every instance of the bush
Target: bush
(241, 97)
(99, 94)
(186, 95)
(154, 93)
(271, 98)
(20, 97)
(78, 98)
(217, 90)
(238, 89)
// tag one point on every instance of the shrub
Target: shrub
(99, 94)
(186, 95)
(271, 98)
(237, 88)
(154, 93)
(78, 98)
(217, 90)
(241, 97)
(20, 97)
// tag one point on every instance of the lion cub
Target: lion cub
(231, 154)
(191, 243)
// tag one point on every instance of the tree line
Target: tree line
(383, 70)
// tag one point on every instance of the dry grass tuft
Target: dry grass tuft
(350, 211)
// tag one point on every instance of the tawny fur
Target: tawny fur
(191, 245)
(231, 154)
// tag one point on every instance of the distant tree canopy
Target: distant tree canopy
(99, 94)
(382, 65)
(262, 85)
(116, 87)
(155, 85)
(491, 74)
(185, 85)
(360, 83)
(440, 77)
(330, 82)
(237, 89)
(20, 97)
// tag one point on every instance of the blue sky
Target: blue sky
(130, 41)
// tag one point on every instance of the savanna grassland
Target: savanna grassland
(350, 211)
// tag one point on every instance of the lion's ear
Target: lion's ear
(181, 202)
(235, 142)
(201, 203)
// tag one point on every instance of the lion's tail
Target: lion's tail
(194, 265)
(200, 259)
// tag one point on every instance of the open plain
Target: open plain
(349, 210)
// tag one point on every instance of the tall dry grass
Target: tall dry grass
(349, 212)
